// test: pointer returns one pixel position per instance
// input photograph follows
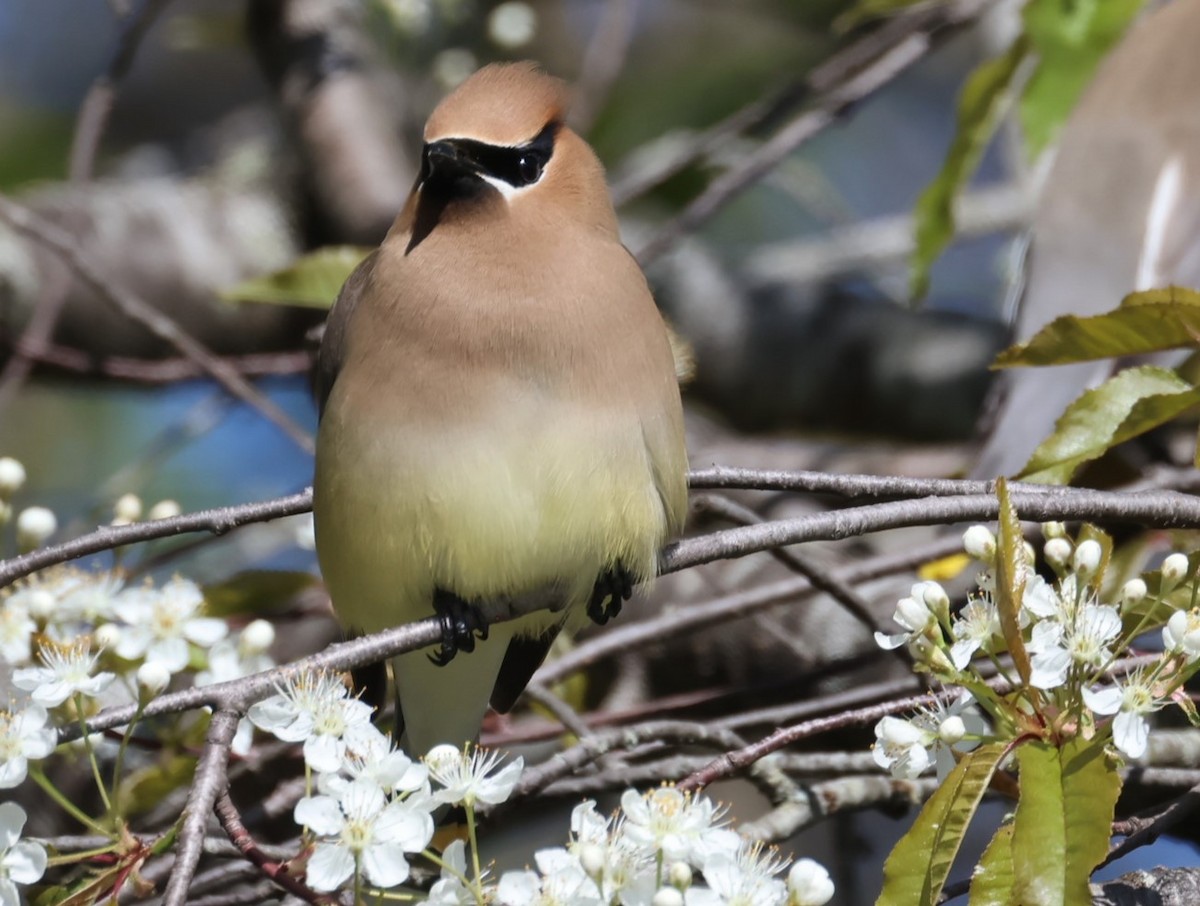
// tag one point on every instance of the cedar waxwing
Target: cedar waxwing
(500, 417)
(1119, 213)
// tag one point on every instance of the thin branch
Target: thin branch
(879, 487)
(216, 521)
(93, 114)
(163, 371)
(819, 577)
(678, 621)
(855, 80)
(734, 762)
(870, 244)
(64, 246)
(1157, 509)
(209, 781)
(231, 822)
(602, 61)
(89, 126)
(571, 719)
(1140, 832)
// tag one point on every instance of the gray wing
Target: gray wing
(333, 342)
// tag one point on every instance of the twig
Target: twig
(64, 246)
(819, 577)
(1144, 831)
(602, 61)
(89, 125)
(867, 245)
(216, 521)
(855, 80)
(733, 762)
(843, 794)
(571, 719)
(163, 371)
(97, 106)
(588, 750)
(231, 822)
(879, 487)
(1157, 509)
(207, 783)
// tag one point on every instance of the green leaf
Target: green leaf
(1129, 404)
(311, 281)
(981, 104)
(916, 870)
(993, 880)
(255, 592)
(1010, 580)
(1132, 329)
(1070, 39)
(1061, 829)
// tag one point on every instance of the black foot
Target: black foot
(461, 624)
(612, 589)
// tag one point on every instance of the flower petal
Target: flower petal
(321, 814)
(384, 864)
(329, 867)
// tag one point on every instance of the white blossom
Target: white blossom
(368, 832)
(87, 598)
(153, 677)
(467, 778)
(161, 622)
(1130, 703)
(449, 889)
(907, 747)
(676, 824)
(1056, 647)
(315, 708)
(66, 671)
(23, 736)
(373, 758)
(902, 747)
(34, 525)
(1181, 635)
(744, 878)
(914, 614)
(16, 632)
(21, 861)
(977, 626)
(809, 884)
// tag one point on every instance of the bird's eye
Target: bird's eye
(529, 168)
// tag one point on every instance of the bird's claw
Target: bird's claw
(612, 589)
(461, 625)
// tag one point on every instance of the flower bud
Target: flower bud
(164, 509)
(980, 543)
(591, 859)
(153, 677)
(257, 637)
(667, 896)
(1174, 570)
(127, 509)
(1053, 530)
(34, 525)
(512, 24)
(40, 603)
(1086, 561)
(913, 614)
(1133, 592)
(1058, 553)
(107, 635)
(12, 476)
(936, 600)
(809, 884)
(952, 730)
(679, 875)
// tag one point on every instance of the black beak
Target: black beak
(448, 160)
